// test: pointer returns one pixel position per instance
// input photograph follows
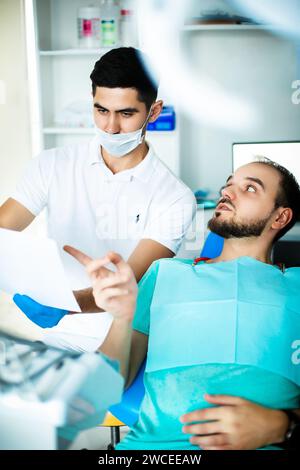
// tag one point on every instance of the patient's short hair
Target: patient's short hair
(288, 194)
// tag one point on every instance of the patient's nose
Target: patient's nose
(228, 193)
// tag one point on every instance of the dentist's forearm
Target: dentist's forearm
(117, 344)
(86, 301)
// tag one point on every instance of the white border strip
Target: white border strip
(33, 78)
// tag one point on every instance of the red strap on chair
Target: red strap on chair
(197, 260)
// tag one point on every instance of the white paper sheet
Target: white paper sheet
(32, 266)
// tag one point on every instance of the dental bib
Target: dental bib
(235, 312)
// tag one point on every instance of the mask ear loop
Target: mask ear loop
(144, 128)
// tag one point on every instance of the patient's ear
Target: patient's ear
(284, 217)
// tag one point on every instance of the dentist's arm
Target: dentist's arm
(14, 216)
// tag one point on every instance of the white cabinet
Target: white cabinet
(59, 74)
(63, 68)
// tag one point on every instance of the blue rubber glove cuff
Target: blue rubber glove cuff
(44, 316)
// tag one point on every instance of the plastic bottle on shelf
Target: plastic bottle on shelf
(128, 24)
(109, 23)
(88, 27)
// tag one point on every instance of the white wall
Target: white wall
(15, 148)
(251, 64)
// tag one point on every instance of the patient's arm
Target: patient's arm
(116, 292)
(237, 424)
(114, 344)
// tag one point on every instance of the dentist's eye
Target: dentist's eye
(126, 115)
(251, 189)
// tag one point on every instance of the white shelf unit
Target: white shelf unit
(68, 130)
(63, 68)
(226, 27)
(62, 76)
(87, 130)
(76, 52)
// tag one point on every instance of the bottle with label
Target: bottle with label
(88, 27)
(128, 24)
(109, 24)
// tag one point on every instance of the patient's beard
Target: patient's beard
(233, 229)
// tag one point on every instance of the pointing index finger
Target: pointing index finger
(77, 254)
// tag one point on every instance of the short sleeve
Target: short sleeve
(169, 224)
(146, 287)
(32, 190)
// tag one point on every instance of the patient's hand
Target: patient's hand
(236, 424)
(114, 291)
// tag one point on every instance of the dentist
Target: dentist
(112, 193)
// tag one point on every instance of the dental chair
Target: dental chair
(126, 412)
(287, 252)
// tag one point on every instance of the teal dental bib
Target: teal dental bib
(235, 312)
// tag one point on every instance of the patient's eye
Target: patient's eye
(251, 189)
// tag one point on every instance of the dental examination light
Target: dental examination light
(201, 98)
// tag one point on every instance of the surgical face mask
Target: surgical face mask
(119, 145)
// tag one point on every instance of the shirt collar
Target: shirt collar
(142, 171)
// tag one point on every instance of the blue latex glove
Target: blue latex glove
(46, 317)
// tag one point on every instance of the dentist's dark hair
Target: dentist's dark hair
(124, 68)
(288, 194)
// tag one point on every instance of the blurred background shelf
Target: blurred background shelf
(248, 61)
(88, 131)
(68, 130)
(75, 52)
(226, 27)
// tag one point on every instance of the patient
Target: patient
(222, 326)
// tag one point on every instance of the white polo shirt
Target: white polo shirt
(95, 210)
